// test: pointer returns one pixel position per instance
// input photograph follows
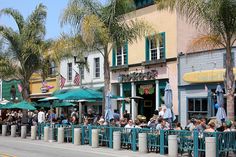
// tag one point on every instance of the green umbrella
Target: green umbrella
(7, 106)
(24, 105)
(62, 104)
(42, 104)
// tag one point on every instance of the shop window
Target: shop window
(197, 108)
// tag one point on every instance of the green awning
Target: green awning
(80, 94)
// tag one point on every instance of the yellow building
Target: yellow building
(39, 90)
(144, 67)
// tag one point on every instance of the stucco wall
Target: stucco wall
(161, 21)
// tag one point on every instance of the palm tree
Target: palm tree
(25, 46)
(218, 19)
(104, 27)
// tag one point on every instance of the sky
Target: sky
(25, 7)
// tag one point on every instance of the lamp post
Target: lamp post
(81, 64)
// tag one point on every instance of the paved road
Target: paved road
(17, 147)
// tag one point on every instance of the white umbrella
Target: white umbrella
(220, 115)
(168, 102)
(108, 111)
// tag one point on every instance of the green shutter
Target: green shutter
(163, 38)
(113, 57)
(127, 54)
(147, 54)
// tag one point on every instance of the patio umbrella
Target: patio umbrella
(62, 104)
(168, 102)
(220, 115)
(6, 106)
(24, 105)
(108, 111)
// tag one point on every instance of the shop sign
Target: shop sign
(146, 89)
(45, 87)
(139, 76)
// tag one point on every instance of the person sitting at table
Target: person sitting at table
(211, 128)
(152, 123)
(129, 125)
(228, 125)
(178, 126)
(162, 125)
(101, 121)
(123, 122)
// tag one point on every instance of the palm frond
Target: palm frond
(205, 42)
(19, 19)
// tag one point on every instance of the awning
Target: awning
(206, 76)
(77, 94)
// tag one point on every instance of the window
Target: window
(81, 70)
(143, 3)
(52, 68)
(155, 48)
(121, 56)
(97, 67)
(197, 108)
(69, 71)
(224, 59)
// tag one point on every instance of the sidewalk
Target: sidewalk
(101, 151)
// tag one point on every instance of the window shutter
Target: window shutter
(113, 57)
(147, 54)
(126, 48)
(163, 51)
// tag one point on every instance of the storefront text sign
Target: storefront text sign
(139, 76)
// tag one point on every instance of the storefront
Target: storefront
(199, 74)
(40, 89)
(148, 83)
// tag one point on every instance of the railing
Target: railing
(189, 142)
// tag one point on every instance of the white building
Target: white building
(92, 78)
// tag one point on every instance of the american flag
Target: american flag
(77, 79)
(62, 81)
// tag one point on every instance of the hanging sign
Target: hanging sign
(146, 89)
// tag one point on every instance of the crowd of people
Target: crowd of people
(157, 122)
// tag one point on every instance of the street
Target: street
(17, 147)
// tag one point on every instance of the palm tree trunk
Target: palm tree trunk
(229, 82)
(25, 90)
(106, 75)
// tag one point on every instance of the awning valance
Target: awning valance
(206, 76)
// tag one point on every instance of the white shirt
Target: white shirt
(161, 113)
(41, 117)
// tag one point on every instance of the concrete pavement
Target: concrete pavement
(18, 147)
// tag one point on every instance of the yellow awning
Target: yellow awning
(206, 76)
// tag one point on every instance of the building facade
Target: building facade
(91, 76)
(199, 74)
(144, 67)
